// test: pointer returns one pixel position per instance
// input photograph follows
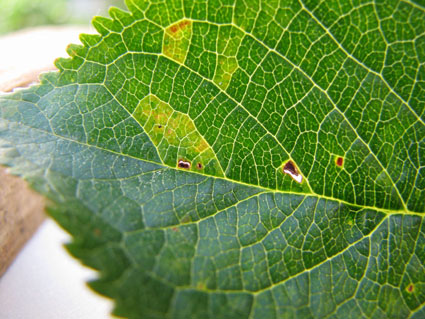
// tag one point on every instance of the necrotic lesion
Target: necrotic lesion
(290, 169)
(183, 164)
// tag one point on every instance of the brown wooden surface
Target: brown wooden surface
(23, 56)
(21, 212)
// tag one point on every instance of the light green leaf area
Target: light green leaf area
(238, 158)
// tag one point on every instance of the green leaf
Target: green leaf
(238, 159)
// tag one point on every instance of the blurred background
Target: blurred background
(20, 14)
(38, 278)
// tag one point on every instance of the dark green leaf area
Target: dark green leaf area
(162, 143)
(256, 248)
(335, 287)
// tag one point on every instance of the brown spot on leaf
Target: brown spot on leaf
(339, 161)
(183, 24)
(159, 126)
(291, 169)
(199, 166)
(183, 164)
(175, 229)
(179, 26)
(410, 288)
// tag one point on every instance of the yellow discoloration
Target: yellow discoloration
(175, 136)
(203, 145)
(229, 40)
(177, 40)
(225, 68)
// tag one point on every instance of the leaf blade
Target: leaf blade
(251, 241)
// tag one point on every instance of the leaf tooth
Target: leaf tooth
(61, 63)
(137, 10)
(124, 17)
(48, 77)
(111, 24)
(89, 40)
(75, 50)
(104, 25)
(68, 63)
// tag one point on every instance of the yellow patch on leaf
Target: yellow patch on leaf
(177, 40)
(175, 136)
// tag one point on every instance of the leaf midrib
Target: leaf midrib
(264, 189)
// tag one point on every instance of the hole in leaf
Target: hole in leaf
(290, 169)
(183, 164)
(339, 161)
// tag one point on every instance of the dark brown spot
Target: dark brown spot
(159, 126)
(183, 164)
(173, 29)
(290, 169)
(199, 166)
(339, 161)
(410, 288)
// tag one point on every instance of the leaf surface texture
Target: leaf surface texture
(164, 143)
